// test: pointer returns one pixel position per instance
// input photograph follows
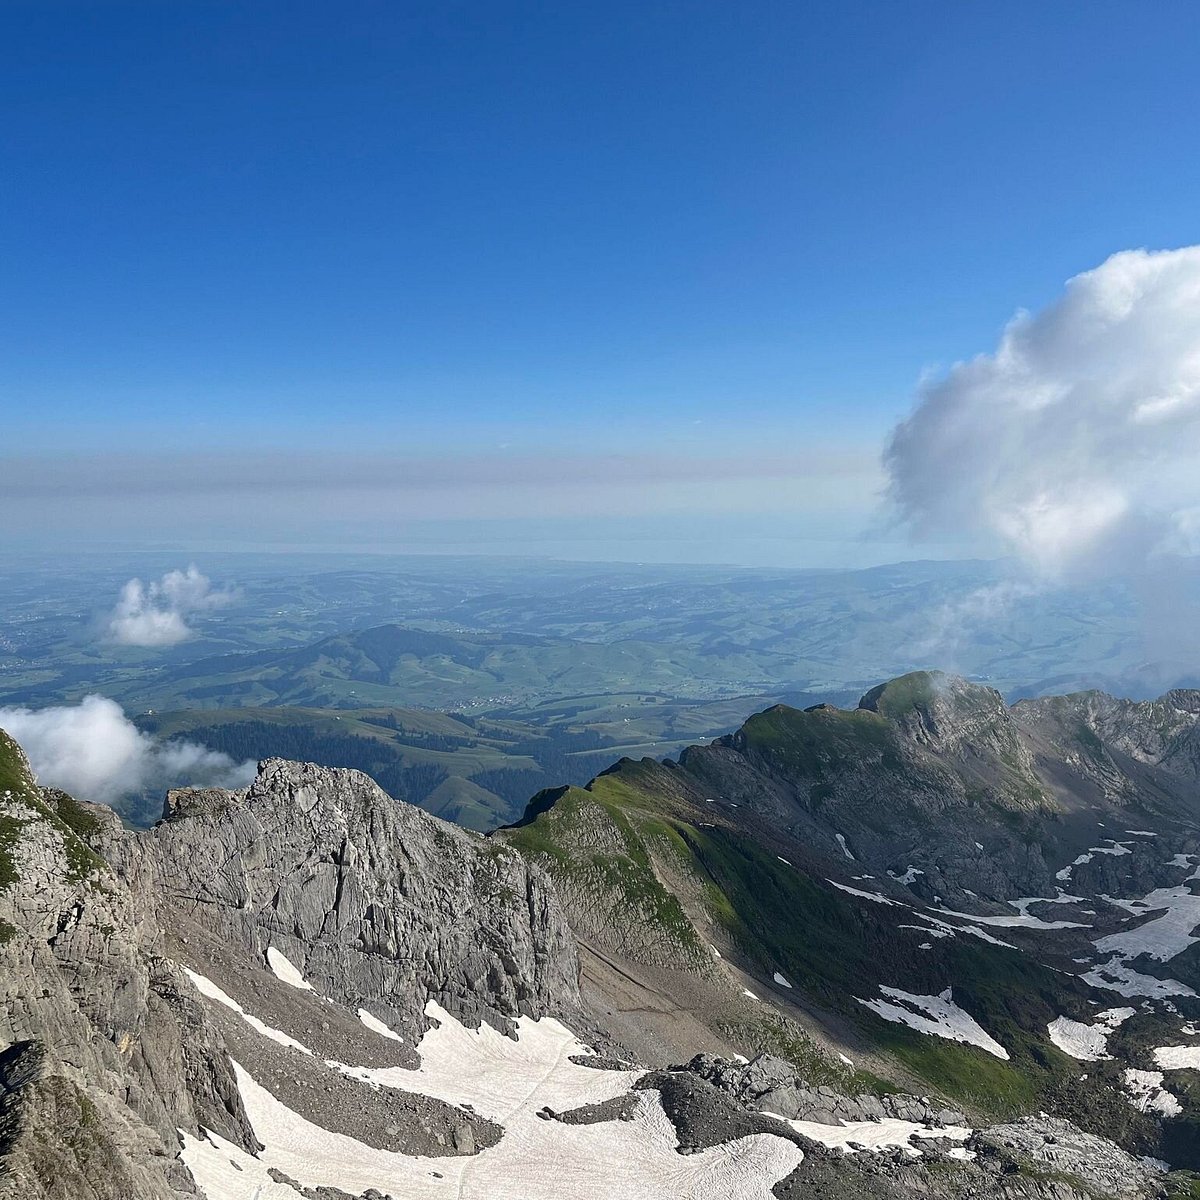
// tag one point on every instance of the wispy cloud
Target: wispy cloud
(93, 751)
(155, 613)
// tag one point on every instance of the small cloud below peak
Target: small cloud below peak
(155, 614)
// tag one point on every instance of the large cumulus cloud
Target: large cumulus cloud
(1075, 444)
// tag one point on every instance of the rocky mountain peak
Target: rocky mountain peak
(937, 709)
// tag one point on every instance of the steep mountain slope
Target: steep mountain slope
(894, 880)
(275, 992)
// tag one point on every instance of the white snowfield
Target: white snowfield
(779, 979)
(941, 929)
(1088, 1043)
(1115, 976)
(535, 1160)
(1161, 939)
(284, 970)
(1176, 1058)
(1146, 1093)
(841, 841)
(909, 876)
(936, 1015)
(1023, 904)
(508, 1081)
(888, 1134)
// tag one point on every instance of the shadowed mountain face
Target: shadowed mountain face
(915, 919)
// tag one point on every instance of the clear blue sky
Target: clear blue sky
(561, 235)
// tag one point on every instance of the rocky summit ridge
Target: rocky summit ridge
(680, 980)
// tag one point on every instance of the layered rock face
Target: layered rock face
(373, 901)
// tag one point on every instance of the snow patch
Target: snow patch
(1147, 1094)
(285, 971)
(890, 1133)
(841, 841)
(1161, 939)
(1088, 1043)
(875, 896)
(1023, 904)
(375, 1025)
(1115, 976)
(1021, 921)
(1117, 848)
(1177, 1058)
(779, 979)
(507, 1080)
(937, 1015)
(909, 876)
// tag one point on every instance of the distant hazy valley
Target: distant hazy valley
(489, 679)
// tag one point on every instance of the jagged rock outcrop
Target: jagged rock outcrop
(772, 1084)
(374, 902)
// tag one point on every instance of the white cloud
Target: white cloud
(1074, 444)
(93, 751)
(154, 613)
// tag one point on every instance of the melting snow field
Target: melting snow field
(887, 1134)
(508, 1081)
(1161, 939)
(1117, 848)
(1146, 1092)
(1088, 1043)
(875, 896)
(1022, 920)
(1115, 976)
(938, 1015)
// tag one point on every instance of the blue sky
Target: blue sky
(661, 273)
